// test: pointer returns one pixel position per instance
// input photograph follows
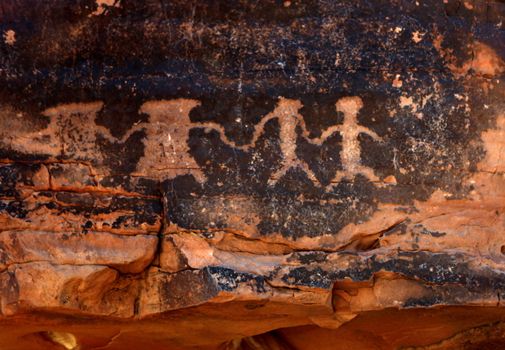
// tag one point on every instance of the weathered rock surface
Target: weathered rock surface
(252, 174)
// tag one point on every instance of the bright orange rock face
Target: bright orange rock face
(252, 175)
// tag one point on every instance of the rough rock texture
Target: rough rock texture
(252, 174)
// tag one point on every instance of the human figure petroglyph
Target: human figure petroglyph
(72, 130)
(168, 129)
(286, 112)
(28, 136)
(166, 152)
(67, 130)
(350, 130)
(76, 129)
(289, 119)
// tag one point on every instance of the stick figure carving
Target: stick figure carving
(288, 117)
(286, 112)
(167, 154)
(350, 130)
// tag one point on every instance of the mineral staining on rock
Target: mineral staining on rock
(196, 174)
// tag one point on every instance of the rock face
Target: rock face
(252, 174)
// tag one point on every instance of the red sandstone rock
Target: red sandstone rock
(252, 175)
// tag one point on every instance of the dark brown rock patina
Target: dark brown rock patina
(252, 174)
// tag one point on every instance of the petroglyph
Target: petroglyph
(102, 6)
(76, 128)
(62, 130)
(9, 37)
(166, 152)
(66, 131)
(350, 130)
(290, 119)
(31, 137)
